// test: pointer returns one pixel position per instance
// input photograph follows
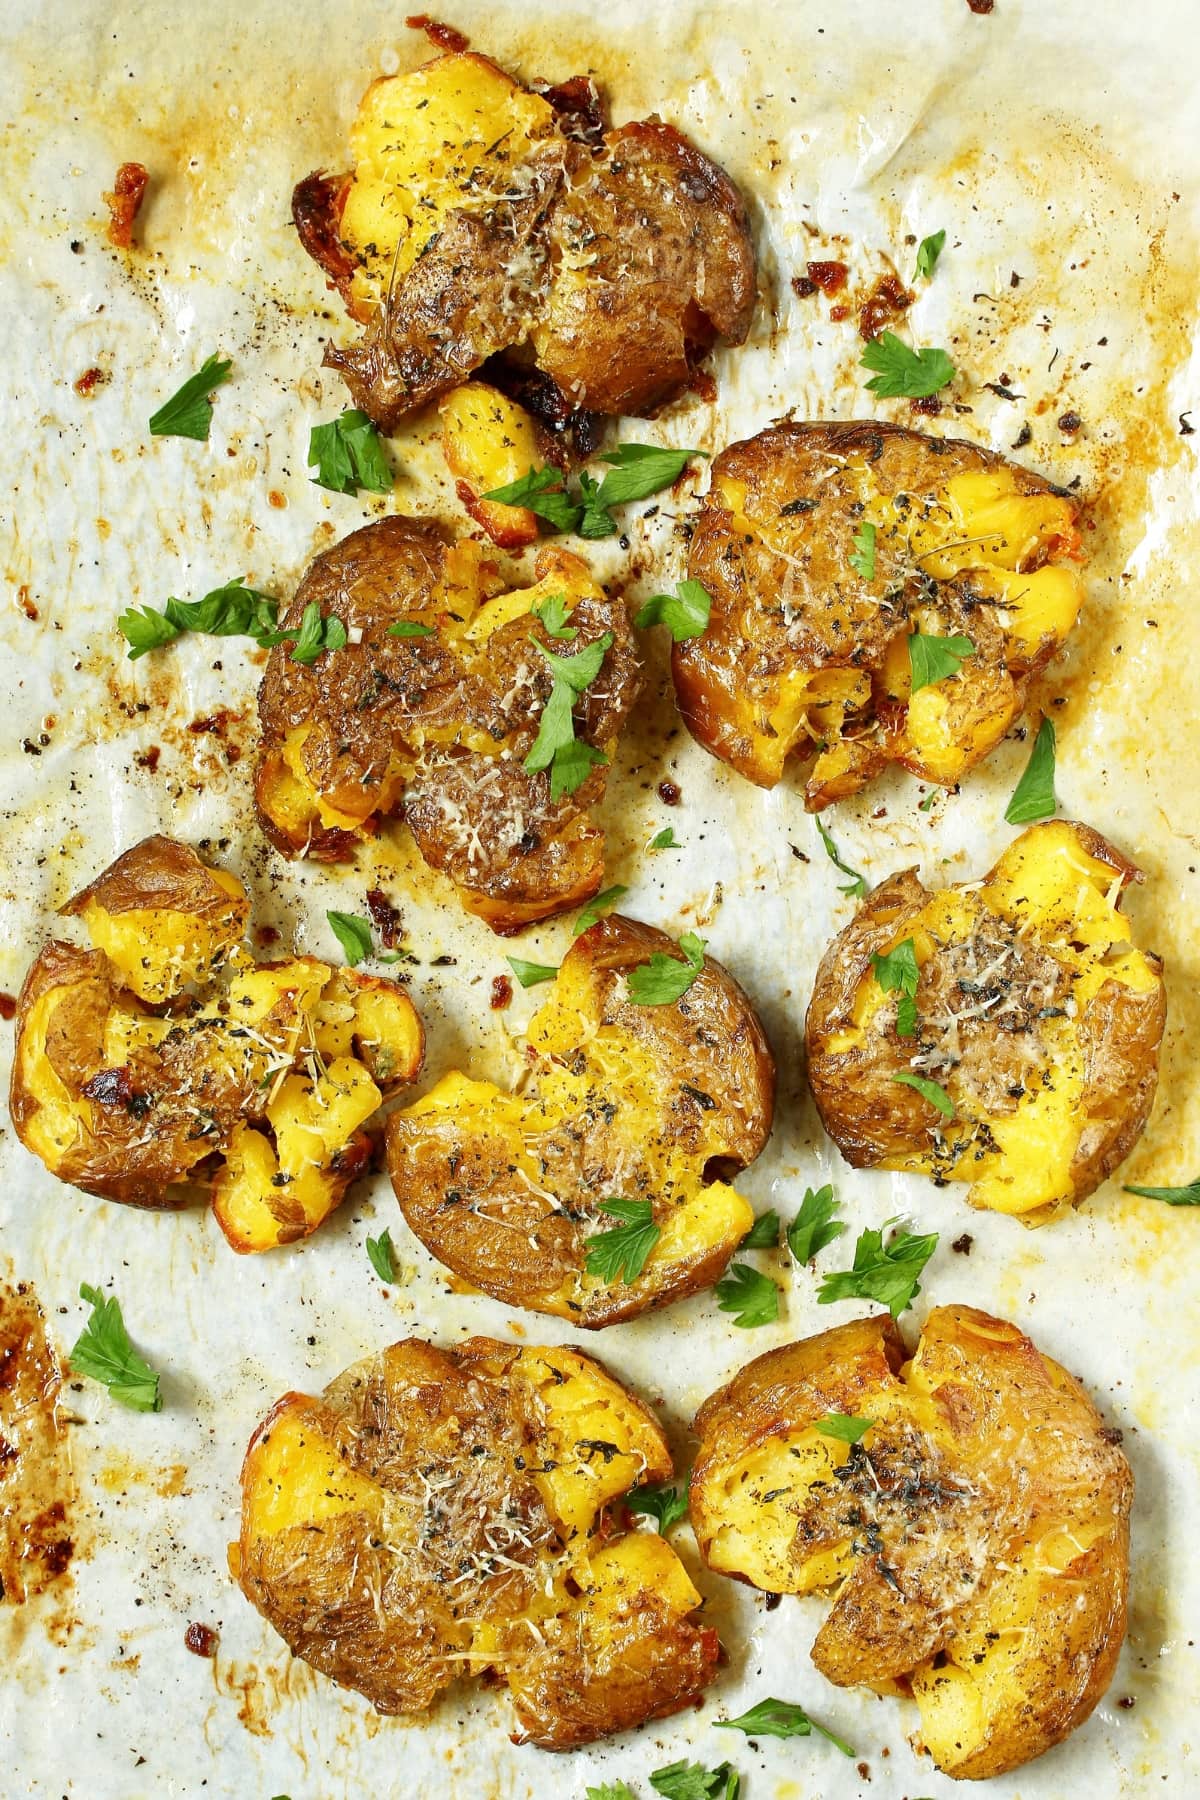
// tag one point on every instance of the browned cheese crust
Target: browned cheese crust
(663, 1104)
(807, 653)
(436, 1515)
(976, 1539)
(435, 728)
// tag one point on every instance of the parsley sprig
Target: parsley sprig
(814, 1225)
(749, 1294)
(1034, 796)
(381, 1252)
(568, 758)
(686, 611)
(348, 454)
(781, 1719)
(620, 1254)
(692, 1781)
(104, 1351)
(933, 659)
(857, 884)
(928, 251)
(233, 610)
(889, 1273)
(529, 974)
(862, 557)
(933, 1091)
(188, 413)
(665, 1505)
(635, 471)
(1172, 1196)
(595, 909)
(845, 1427)
(896, 971)
(902, 373)
(664, 979)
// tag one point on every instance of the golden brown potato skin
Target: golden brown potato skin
(977, 1536)
(662, 1103)
(404, 1530)
(143, 1066)
(1008, 1061)
(415, 725)
(668, 269)
(791, 614)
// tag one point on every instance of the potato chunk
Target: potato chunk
(809, 645)
(258, 1086)
(435, 726)
(489, 441)
(482, 219)
(438, 1514)
(648, 1103)
(1034, 1014)
(977, 1538)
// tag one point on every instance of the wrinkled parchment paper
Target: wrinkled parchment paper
(1058, 147)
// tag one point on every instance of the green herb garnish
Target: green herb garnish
(552, 615)
(103, 1351)
(753, 1296)
(348, 454)
(934, 659)
(933, 1091)
(666, 1505)
(928, 251)
(888, 1273)
(845, 1427)
(620, 1254)
(902, 373)
(664, 979)
(665, 840)
(410, 628)
(862, 558)
(685, 612)
(1034, 796)
(540, 491)
(691, 1781)
(1173, 1196)
(897, 972)
(529, 974)
(382, 1255)
(763, 1234)
(556, 747)
(856, 885)
(596, 908)
(814, 1225)
(781, 1719)
(353, 933)
(234, 610)
(188, 413)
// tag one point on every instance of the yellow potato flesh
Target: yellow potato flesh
(448, 135)
(489, 441)
(156, 951)
(295, 1476)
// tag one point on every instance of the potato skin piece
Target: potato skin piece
(873, 1120)
(677, 1096)
(404, 725)
(997, 1499)
(415, 1466)
(790, 609)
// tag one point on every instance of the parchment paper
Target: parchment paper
(1058, 146)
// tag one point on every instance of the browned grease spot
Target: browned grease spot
(25, 602)
(669, 793)
(830, 277)
(276, 499)
(86, 384)
(37, 1491)
(444, 36)
(982, 7)
(201, 1640)
(501, 992)
(263, 1689)
(8, 1006)
(148, 758)
(124, 203)
(887, 300)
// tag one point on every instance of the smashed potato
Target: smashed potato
(435, 726)
(827, 549)
(483, 219)
(165, 1058)
(488, 441)
(439, 1514)
(1035, 1017)
(977, 1537)
(656, 1104)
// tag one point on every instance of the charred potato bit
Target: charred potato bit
(659, 1104)
(804, 653)
(1034, 1013)
(977, 1538)
(479, 220)
(165, 1059)
(435, 727)
(436, 1515)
